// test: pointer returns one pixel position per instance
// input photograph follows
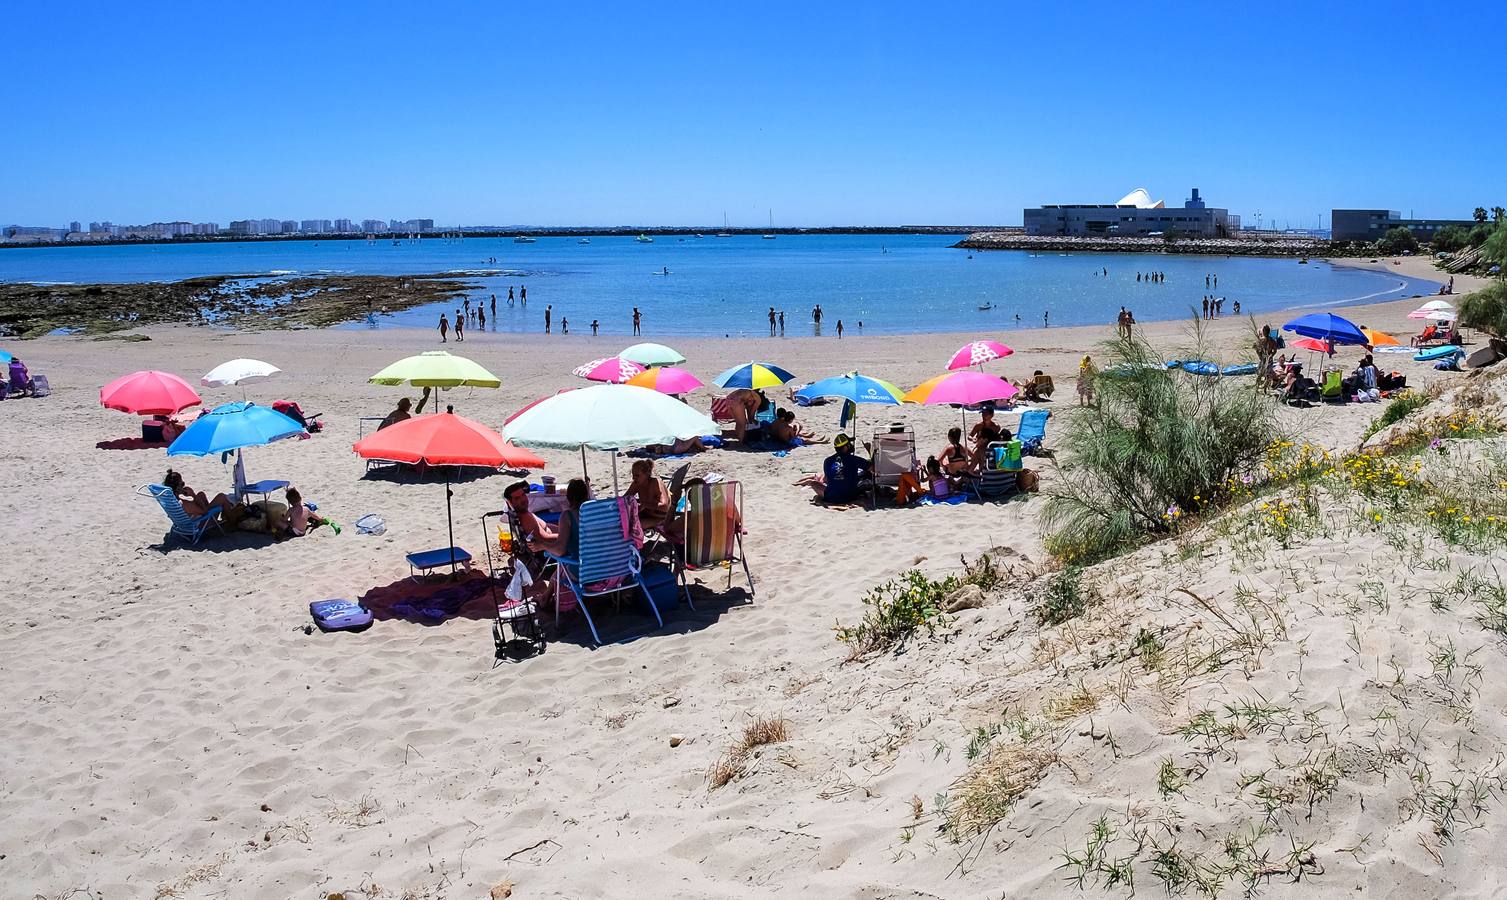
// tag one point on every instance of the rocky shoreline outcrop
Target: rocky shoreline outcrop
(1014, 240)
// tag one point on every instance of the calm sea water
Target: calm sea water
(891, 284)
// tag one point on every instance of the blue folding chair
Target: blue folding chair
(604, 555)
(184, 525)
(1033, 430)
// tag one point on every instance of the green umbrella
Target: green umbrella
(653, 355)
(436, 368)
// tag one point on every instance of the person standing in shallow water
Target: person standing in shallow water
(637, 320)
(548, 311)
(782, 323)
(523, 296)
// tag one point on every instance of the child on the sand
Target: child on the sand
(301, 519)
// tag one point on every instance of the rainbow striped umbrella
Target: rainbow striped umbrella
(755, 376)
(667, 380)
(611, 369)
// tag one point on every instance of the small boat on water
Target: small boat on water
(770, 237)
(584, 241)
(986, 307)
(1302, 262)
(644, 239)
(523, 239)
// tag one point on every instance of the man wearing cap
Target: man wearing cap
(845, 475)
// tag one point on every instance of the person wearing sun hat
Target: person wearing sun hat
(845, 474)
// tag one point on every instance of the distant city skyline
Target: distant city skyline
(809, 115)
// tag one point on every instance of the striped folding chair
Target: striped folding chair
(606, 562)
(714, 531)
(185, 526)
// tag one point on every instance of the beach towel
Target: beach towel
(633, 526)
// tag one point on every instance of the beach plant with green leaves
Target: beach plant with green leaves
(1158, 446)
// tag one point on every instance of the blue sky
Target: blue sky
(670, 113)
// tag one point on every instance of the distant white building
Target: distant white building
(343, 226)
(1134, 215)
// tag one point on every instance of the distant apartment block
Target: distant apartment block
(344, 226)
(1134, 215)
(1370, 224)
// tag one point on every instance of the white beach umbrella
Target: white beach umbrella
(606, 417)
(237, 371)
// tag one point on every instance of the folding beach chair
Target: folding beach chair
(1001, 467)
(722, 411)
(184, 525)
(714, 531)
(1333, 389)
(1032, 432)
(607, 562)
(368, 424)
(894, 456)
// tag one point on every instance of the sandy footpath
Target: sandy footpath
(171, 730)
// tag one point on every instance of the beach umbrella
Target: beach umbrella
(1435, 309)
(667, 380)
(607, 417)
(237, 371)
(753, 375)
(611, 369)
(5, 358)
(653, 355)
(977, 353)
(852, 388)
(1380, 338)
(436, 368)
(964, 388)
(1326, 327)
(1314, 345)
(445, 439)
(149, 393)
(234, 426)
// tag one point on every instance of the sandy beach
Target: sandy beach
(174, 730)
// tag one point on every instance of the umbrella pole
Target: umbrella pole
(614, 472)
(584, 474)
(450, 523)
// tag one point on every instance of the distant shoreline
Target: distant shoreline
(1016, 240)
(508, 235)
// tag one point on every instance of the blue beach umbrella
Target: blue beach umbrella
(1327, 327)
(231, 427)
(5, 358)
(754, 376)
(852, 389)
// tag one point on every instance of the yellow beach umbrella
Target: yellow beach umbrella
(436, 368)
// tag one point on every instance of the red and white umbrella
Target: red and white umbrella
(977, 353)
(611, 369)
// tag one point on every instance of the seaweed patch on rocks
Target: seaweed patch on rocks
(238, 301)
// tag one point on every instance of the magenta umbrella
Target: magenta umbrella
(612, 369)
(977, 353)
(667, 380)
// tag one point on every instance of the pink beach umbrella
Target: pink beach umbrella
(964, 389)
(1314, 344)
(977, 353)
(611, 369)
(149, 393)
(667, 380)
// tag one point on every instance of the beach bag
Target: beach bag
(518, 584)
(340, 615)
(1007, 458)
(371, 523)
(1027, 481)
